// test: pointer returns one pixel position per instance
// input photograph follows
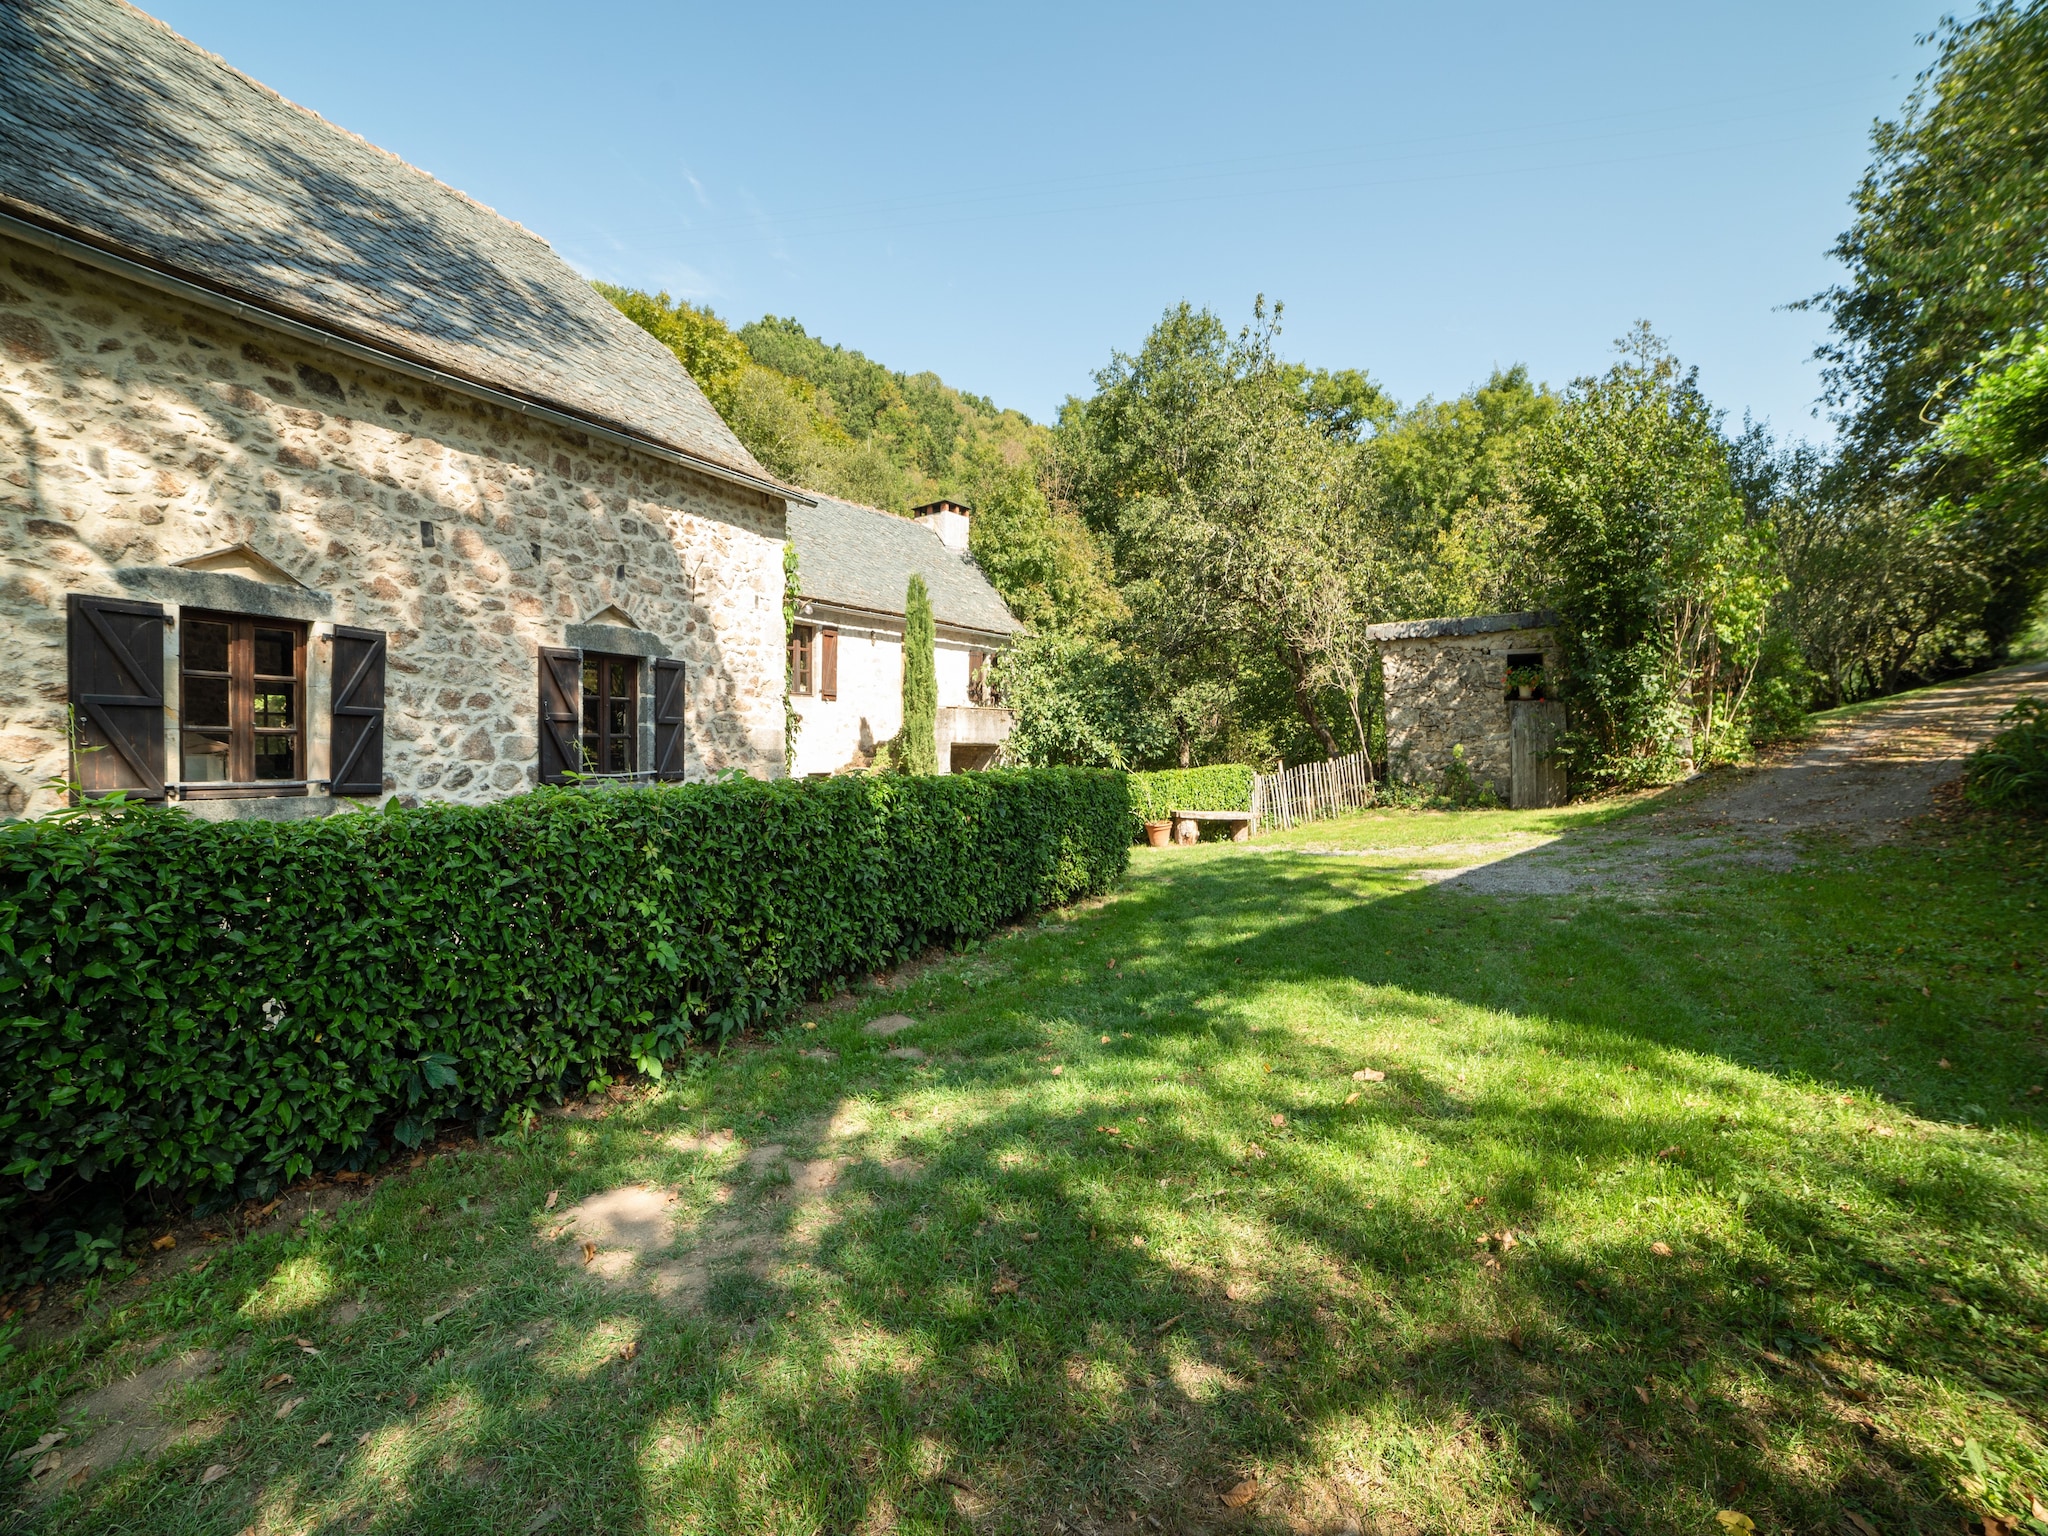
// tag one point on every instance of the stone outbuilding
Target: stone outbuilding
(321, 482)
(854, 565)
(1447, 688)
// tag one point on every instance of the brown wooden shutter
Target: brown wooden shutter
(561, 715)
(356, 756)
(828, 663)
(117, 691)
(670, 742)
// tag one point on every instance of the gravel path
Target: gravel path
(1861, 778)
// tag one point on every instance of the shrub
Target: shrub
(2010, 771)
(203, 1006)
(1225, 787)
(1461, 788)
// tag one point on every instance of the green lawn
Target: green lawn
(1734, 1202)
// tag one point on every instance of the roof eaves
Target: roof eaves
(841, 605)
(38, 227)
(1445, 629)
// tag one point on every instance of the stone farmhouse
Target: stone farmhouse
(854, 566)
(322, 483)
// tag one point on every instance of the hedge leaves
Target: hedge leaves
(199, 1005)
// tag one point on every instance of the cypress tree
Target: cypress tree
(917, 747)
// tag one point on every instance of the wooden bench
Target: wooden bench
(1185, 830)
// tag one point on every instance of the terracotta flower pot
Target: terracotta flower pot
(1157, 833)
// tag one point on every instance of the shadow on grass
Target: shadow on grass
(1326, 1302)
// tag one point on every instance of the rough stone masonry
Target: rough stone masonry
(1446, 683)
(136, 433)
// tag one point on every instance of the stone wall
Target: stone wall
(136, 432)
(1446, 691)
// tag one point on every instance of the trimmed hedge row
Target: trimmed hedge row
(1225, 787)
(199, 1005)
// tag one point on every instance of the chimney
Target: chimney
(948, 519)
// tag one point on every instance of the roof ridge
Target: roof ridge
(332, 127)
(861, 506)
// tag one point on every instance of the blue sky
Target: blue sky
(1007, 194)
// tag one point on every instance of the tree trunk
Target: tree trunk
(1305, 698)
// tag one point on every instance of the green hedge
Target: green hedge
(1225, 787)
(200, 1005)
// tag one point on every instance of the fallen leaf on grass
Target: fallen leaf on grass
(589, 1252)
(1242, 1494)
(545, 1516)
(1254, 1150)
(1162, 1327)
(1943, 1062)
(1475, 1202)
(1006, 1286)
(323, 1440)
(168, 1241)
(1367, 1075)
(1735, 1522)
(284, 1409)
(553, 1196)
(1670, 1152)
(42, 1445)
(281, 1379)
(1644, 1394)
(1863, 1526)
(1059, 1071)
(1105, 1039)
(629, 1349)
(1351, 1098)
(1662, 1250)
(411, 1399)
(1279, 1122)
(213, 1474)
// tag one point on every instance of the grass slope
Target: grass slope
(1131, 1236)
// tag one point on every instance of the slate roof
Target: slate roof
(863, 558)
(119, 132)
(1444, 629)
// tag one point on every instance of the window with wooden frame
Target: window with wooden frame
(803, 642)
(611, 713)
(241, 705)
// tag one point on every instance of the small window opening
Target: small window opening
(802, 648)
(426, 535)
(611, 700)
(241, 692)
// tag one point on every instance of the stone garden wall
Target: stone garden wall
(136, 433)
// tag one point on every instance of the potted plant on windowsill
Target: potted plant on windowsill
(1525, 682)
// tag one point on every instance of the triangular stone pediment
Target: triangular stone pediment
(612, 613)
(240, 560)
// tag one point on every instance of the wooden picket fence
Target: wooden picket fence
(1311, 792)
